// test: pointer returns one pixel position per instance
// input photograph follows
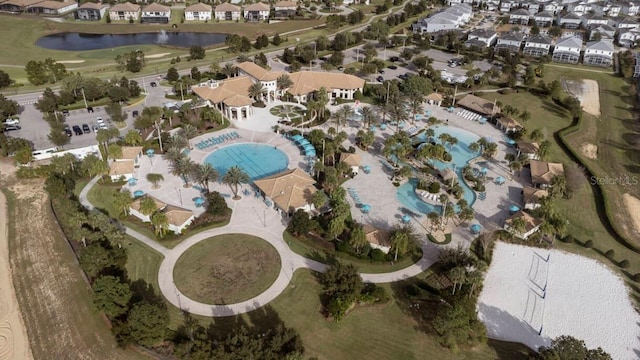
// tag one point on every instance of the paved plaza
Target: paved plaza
(252, 216)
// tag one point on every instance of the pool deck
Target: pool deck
(377, 190)
(172, 190)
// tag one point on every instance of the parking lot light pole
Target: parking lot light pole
(84, 98)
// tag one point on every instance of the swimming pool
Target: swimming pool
(460, 154)
(257, 160)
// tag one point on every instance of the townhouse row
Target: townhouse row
(567, 50)
(152, 13)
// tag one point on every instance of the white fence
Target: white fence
(79, 153)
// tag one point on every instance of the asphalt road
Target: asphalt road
(34, 128)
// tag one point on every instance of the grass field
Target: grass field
(60, 300)
(607, 132)
(227, 269)
(328, 255)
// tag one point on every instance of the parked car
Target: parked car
(103, 126)
(341, 68)
(11, 122)
(394, 58)
(95, 128)
(89, 109)
(12, 127)
(65, 112)
(99, 120)
(392, 67)
(323, 58)
(379, 79)
(77, 130)
(135, 113)
(380, 71)
(67, 130)
(86, 129)
(403, 76)
(153, 84)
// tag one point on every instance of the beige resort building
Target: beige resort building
(231, 96)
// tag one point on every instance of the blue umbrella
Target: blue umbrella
(499, 180)
(365, 208)
(484, 170)
(309, 147)
(132, 181)
(406, 218)
(514, 209)
(383, 126)
(511, 142)
(138, 193)
(150, 152)
(303, 142)
(475, 228)
(297, 137)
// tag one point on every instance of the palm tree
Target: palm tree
(415, 105)
(178, 141)
(318, 167)
(368, 116)
(160, 223)
(536, 135)
(214, 68)
(121, 201)
(154, 179)
(518, 225)
(283, 82)
(543, 149)
(204, 174)
(234, 177)
(115, 151)
(229, 70)
(322, 97)
(457, 275)
(433, 218)
(256, 91)
(99, 168)
(173, 154)
(189, 131)
(133, 138)
(341, 116)
(402, 237)
(147, 206)
(525, 116)
(184, 168)
(558, 186)
(515, 166)
(490, 150)
(357, 238)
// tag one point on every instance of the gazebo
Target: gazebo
(434, 99)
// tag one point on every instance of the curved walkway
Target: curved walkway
(251, 216)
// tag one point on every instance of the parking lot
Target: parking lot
(36, 129)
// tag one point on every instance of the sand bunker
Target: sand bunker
(156, 55)
(14, 343)
(70, 62)
(589, 151)
(633, 210)
(533, 295)
(591, 97)
(587, 91)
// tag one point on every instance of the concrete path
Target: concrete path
(252, 217)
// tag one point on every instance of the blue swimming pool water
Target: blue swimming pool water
(257, 160)
(460, 154)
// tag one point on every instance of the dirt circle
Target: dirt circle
(227, 269)
(590, 151)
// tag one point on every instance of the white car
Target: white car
(11, 122)
(99, 120)
(102, 126)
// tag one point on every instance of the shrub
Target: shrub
(479, 187)
(624, 264)
(377, 255)
(505, 91)
(636, 277)
(446, 157)
(434, 187)
(568, 239)
(588, 244)
(313, 8)
(610, 254)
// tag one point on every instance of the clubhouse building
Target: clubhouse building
(231, 96)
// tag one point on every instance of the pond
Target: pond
(72, 41)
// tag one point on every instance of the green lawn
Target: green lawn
(327, 255)
(142, 262)
(610, 132)
(227, 269)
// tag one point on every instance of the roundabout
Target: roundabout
(227, 269)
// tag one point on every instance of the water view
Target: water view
(72, 41)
